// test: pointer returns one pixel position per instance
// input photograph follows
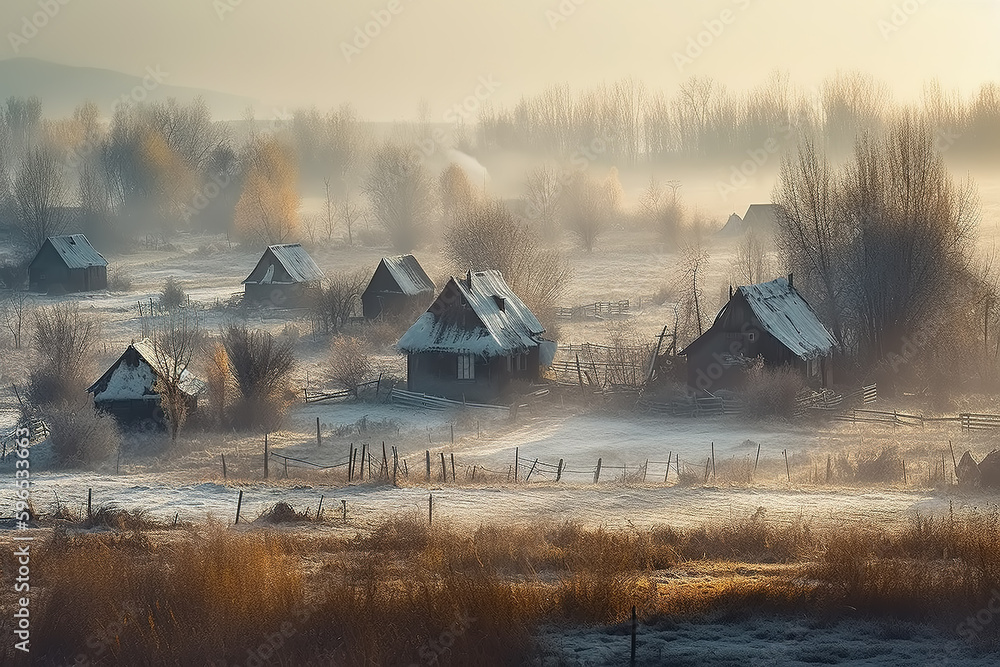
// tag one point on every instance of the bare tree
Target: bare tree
(457, 194)
(812, 232)
(64, 337)
(336, 302)
(588, 207)
(491, 238)
(220, 382)
(750, 264)
(692, 264)
(39, 194)
(541, 199)
(261, 367)
(176, 340)
(401, 195)
(16, 308)
(350, 363)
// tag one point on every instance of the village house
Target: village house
(126, 390)
(398, 284)
(284, 277)
(67, 264)
(771, 321)
(475, 339)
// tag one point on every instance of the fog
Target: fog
(309, 51)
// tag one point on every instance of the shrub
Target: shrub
(172, 297)
(771, 392)
(81, 436)
(350, 364)
(261, 367)
(64, 337)
(120, 278)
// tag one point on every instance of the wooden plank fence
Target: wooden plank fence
(415, 400)
(598, 309)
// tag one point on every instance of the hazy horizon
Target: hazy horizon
(308, 54)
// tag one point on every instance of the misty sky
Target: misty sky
(290, 52)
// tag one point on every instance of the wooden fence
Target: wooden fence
(414, 400)
(598, 309)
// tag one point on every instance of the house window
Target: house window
(466, 367)
(517, 362)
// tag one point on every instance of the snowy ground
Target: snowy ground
(763, 642)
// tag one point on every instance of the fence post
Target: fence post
(444, 469)
(266, 456)
(517, 456)
(364, 450)
(559, 470)
(670, 455)
(239, 505)
(319, 438)
(597, 473)
(713, 462)
(385, 461)
(788, 472)
(430, 509)
(224, 478)
(453, 466)
(645, 468)
(531, 471)
(428, 454)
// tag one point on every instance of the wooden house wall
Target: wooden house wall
(49, 273)
(436, 374)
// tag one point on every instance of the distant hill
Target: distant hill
(63, 87)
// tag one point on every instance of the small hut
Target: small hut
(283, 278)
(476, 338)
(67, 264)
(398, 284)
(126, 390)
(771, 321)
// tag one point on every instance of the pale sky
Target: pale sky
(291, 52)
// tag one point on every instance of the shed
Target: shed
(770, 320)
(67, 264)
(398, 284)
(126, 388)
(474, 340)
(283, 278)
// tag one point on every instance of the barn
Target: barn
(398, 285)
(771, 321)
(475, 339)
(126, 388)
(67, 264)
(283, 278)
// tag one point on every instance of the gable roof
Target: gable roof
(295, 260)
(145, 352)
(784, 314)
(505, 325)
(408, 274)
(761, 218)
(75, 251)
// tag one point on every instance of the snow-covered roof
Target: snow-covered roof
(785, 315)
(76, 251)
(505, 325)
(126, 380)
(296, 262)
(408, 274)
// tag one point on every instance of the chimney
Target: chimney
(468, 279)
(730, 291)
(791, 281)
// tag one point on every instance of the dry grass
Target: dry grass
(390, 595)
